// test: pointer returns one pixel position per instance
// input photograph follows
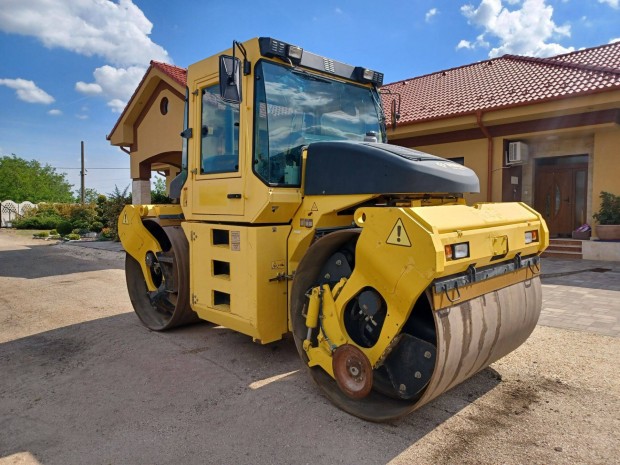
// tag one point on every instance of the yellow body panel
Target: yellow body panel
(137, 240)
(234, 277)
(401, 272)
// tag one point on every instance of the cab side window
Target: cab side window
(219, 133)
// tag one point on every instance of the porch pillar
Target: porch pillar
(141, 192)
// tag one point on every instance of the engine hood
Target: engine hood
(345, 167)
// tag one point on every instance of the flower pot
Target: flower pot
(608, 232)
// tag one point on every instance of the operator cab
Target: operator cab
(249, 119)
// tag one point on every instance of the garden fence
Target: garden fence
(10, 211)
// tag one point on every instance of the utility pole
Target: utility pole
(82, 174)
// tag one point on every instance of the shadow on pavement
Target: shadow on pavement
(110, 391)
(48, 260)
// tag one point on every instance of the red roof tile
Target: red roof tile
(505, 82)
(176, 73)
(607, 56)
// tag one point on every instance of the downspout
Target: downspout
(487, 134)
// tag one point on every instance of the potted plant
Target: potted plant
(608, 217)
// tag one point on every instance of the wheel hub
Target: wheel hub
(352, 371)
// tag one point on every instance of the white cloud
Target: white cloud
(465, 44)
(54, 112)
(611, 3)
(613, 41)
(116, 84)
(88, 89)
(430, 13)
(480, 42)
(524, 31)
(118, 32)
(28, 91)
(116, 105)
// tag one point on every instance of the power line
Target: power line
(93, 168)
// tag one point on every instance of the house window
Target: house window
(163, 106)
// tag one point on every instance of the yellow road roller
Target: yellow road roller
(293, 214)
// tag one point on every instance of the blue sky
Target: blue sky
(69, 66)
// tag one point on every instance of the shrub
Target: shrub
(64, 228)
(80, 224)
(609, 212)
(111, 209)
(96, 226)
(73, 237)
(36, 222)
(157, 198)
(41, 234)
(77, 212)
(53, 232)
(107, 233)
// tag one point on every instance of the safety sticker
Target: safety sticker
(235, 241)
(399, 236)
(314, 207)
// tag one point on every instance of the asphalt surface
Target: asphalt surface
(81, 381)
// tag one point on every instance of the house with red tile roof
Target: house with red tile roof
(540, 130)
(149, 127)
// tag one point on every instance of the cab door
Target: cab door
(218, 186)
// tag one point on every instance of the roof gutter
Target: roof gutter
(489, 137)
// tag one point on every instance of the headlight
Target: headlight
(531, 236)
(457, 251)
(368, 75)
(295, 52)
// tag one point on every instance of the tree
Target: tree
(90, 195)
(158, 192)
(22, 180)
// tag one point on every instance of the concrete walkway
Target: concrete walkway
(580, 295)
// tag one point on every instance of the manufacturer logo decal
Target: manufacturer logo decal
(449, 164)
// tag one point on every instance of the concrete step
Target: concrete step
(565, 241)
(565, 255)
(564, 248)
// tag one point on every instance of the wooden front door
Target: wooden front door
(560, 196)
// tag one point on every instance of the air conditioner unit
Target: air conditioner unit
(517, 153)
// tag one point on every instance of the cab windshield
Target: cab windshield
(294, 108)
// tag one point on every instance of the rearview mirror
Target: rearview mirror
(230, 79)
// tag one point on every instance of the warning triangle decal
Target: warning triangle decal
(399, 236)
